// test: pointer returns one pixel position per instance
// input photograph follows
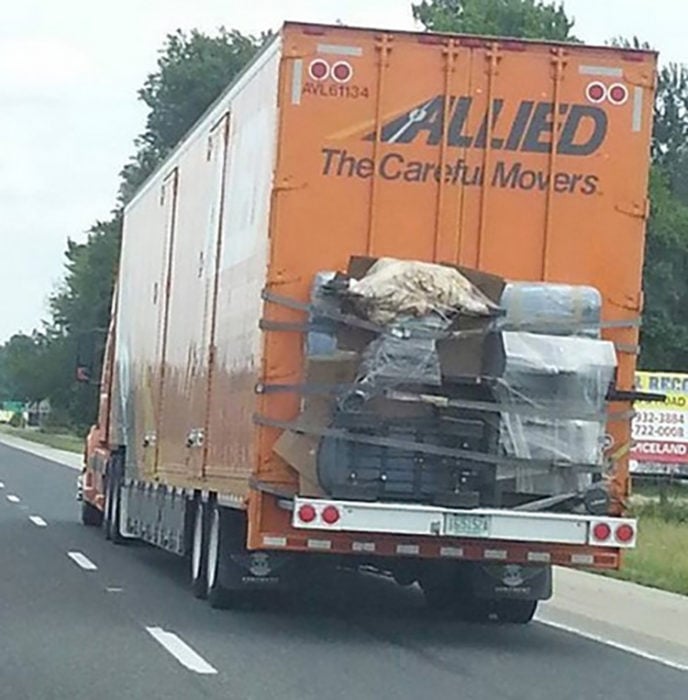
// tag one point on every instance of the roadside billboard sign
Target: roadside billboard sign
(660, 428)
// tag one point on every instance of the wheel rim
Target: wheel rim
(213, 548)
(197, 543)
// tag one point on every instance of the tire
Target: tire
(90, 515)
(113, 503)
(198, 558)
(516, 612)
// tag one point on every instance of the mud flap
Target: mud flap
(512, 581)
(240, 569)
(255, 570)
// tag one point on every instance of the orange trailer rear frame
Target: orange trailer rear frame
(438, 148)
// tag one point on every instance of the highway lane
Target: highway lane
(130, 628)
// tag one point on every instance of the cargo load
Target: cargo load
(528, 426)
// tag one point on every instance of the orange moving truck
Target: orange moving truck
(380, 308)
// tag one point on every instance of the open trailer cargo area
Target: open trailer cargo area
(382, 302)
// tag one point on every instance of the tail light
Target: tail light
(330, 515)
(306, 513)
(601, 532)
(625, 533)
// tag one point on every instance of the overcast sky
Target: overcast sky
(69, 72)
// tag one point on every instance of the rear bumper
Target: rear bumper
(539, 533)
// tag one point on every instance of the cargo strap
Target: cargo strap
(562, 325)
(271, 489)
(352, 320)
(332, 314)
(419, 447)
(313, 389)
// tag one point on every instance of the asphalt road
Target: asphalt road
(129, 628)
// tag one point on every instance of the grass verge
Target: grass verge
(660, 559)
(60, 441)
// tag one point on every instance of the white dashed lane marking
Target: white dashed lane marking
(181, 651)
(82, 560)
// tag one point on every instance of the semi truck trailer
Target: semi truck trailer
(380, 309)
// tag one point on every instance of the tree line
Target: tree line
(193, 68)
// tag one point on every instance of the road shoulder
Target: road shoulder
(643, 620)
(73, 460)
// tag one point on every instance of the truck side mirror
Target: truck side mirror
(85, 357)
(89, 352)
(83, 373)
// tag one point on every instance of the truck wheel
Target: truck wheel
(516, 612)
(198, 559)
(90, 515)
(113, 504)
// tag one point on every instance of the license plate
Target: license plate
(466, 525)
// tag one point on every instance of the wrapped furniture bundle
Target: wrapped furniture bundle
(459, 388)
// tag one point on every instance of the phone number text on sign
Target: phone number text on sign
(660, 425)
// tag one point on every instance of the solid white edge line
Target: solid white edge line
(82, 560)
(2, 485)
(12, 498)
(38, 521)
(616, 645)
(181, 651)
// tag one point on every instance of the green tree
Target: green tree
(7, 391)
(24, 365)
(80, 312)
(193, 69)
(664, 336)
(527, 19)
(83, 301)
(670, 138)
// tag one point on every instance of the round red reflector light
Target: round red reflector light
(624, 533)
(596, 92)
(307, 513)
(330, 515)
(618, 94)
(319, 70)
(601, 531)
(342, 71)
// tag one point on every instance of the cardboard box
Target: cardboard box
(300, 450)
